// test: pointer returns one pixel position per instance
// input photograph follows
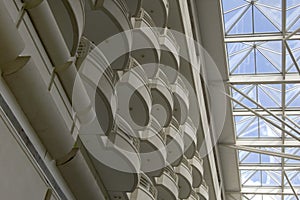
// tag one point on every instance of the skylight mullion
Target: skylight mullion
(292, 7)
(293, 23)
(238, 19)
(236, 8)
(247, 92)
(261, 116)
(292, 56)
(269, 112)
(240, 62)
(269, 95)
(268, 6)
(292, 99)
(291, 186)
(269, 50)
(271, 20)
(240, 51)
(269, 59)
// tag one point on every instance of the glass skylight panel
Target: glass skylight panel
(255, 57)
(257, 47)
(292, 95)
(292, 151)
(292, 15)
(246, 126)
(252, 16)
(294, 177)
(295, 49)
(249, 158)
(294, 122)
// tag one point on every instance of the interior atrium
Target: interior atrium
(150, 99)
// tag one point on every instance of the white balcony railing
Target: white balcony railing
(87, 48)
(146, 183)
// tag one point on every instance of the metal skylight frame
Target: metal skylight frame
(284, 77)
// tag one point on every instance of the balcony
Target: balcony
(158, 10)
(145, 190)
(202, 191)
(162, 98)
(189, 138)
(153, 152)
(170, 58)
(181, 100)
(166, 185)
(193, 196)
(98, 79)
(116, 158)
(197, 169)
(115, 40)
(70, 17)
(134, 96)
(134, 6)
(175, 145)
(146, 47)
(185, 179)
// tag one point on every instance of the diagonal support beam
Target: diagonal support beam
(291, 185)
(264, 118)
(255, 150)
(269, 112)
(292, 56)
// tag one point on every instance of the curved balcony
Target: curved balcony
(175, 145)
(162, 98)
(197, 170)
(134, 96)
(181, 100)
(98, 79)
(158, 10)
(189, 138)
(185, 179)
(152, 149)
(145, 189)
(202, 191)
(115, 157)
(193, 196)
(116, 38)
(134, 6)
(70, 17)
(146, 47)
(166, 185)
(170, 58)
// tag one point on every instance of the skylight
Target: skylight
(262, 39)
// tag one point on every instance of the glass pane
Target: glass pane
(246, 126)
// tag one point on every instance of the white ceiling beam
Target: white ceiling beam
(264, 79)
(258, 38)
(256, 150)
